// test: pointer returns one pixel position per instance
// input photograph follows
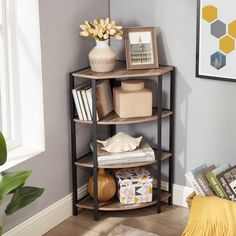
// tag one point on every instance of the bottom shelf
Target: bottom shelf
(114, 204)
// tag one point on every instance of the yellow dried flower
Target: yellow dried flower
(101, 29)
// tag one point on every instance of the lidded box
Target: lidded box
(132, 99)
(134, 185)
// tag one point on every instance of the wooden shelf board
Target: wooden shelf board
(121, 72)
(113, 119)
(87, 161)
(115, 205)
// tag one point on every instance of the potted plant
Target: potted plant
(102, 57)
(13, 184)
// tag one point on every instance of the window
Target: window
(8, 113)
(21, 94)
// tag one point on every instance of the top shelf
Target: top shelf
(122, 72)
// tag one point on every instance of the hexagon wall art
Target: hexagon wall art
(216, 40)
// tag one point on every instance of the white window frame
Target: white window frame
(10, 112)
(24, 77)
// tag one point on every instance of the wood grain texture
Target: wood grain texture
(121, 72)
(170, 222)
(87, 161)
(113, 119)
(115, 205)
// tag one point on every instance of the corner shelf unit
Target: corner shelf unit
(112, 120)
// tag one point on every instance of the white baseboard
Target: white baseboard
(180, 193)
(53, 215)
(48, 218)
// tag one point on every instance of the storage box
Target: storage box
(132, 99)
(134, 185)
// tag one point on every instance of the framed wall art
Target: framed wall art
(141, 48)
(216, 40)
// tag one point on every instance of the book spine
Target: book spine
(216, 185)
(76, 100)
(81, 105)
(104, 99)
(204, 185)
(190, 177)
(90, 102)
(130, 155)
(226, 187)
(86, 105)
(124, 161)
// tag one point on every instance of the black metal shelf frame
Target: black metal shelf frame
(112, 131)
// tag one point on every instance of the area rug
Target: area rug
(123, 230)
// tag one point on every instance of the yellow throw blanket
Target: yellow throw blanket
(211, 216)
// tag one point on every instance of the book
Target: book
(90, 102)
(126, 160)
(104, 98)
(228, 181)
(77, 105)
(78, 100)
(141, 154)
(81, 104)
(190, 176)
(211, 177)
(86, 104)
(143, 150)
(203, 183)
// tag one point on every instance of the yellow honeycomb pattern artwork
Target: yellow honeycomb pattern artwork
(226, 34)
(226, 44)
(232, 29)
(209, 13)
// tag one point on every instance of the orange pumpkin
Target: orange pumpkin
(106, 186)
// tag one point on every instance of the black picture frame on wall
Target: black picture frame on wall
(212, 34)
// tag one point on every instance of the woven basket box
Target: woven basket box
(189, 199)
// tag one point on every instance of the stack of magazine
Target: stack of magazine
(83, 100)
(142, 154)
(212, 180)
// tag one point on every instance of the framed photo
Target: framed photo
(141, 48)
(216, 40)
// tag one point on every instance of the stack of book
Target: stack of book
(212, 180)
(83, 100)
(142, 154)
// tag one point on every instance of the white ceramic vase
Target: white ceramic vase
(102, 57)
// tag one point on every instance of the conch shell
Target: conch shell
(121, 142)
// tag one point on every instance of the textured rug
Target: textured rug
(123, 230)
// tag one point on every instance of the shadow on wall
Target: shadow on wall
(181, 120)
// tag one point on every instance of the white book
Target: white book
(86, 105)
(192, 180)
(143, 150)
(126, 160)
(90, 102)
(81, 105)
(76, 100)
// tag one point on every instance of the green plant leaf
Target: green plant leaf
(23, 197)
(12, 181)
(3, 150)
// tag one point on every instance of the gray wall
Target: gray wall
(205, 115)
(63, 50)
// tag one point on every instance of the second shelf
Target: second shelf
(113, 119)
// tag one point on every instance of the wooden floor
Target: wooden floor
(170, 222)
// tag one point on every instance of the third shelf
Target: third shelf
(87, 161)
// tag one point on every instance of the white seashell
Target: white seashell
(121, 142)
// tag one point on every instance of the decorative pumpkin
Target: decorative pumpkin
(106, 186)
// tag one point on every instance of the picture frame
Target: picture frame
(216, 40)
(141, 48)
